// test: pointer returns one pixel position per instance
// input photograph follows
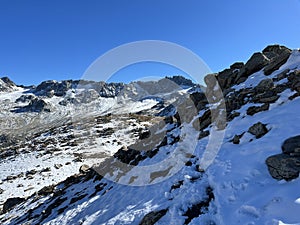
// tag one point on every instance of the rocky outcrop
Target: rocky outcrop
(256, 109)
(294, 80)
(53, 88)
(256, 62)
(25, 98)
(286, 165)
(181, 81)
(278, 55)
(60, 89)
(35, 105)
(270, 59)
(6, 85)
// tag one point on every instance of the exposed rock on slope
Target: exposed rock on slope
(286, 165)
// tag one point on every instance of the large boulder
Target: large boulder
(259, 129)
(273, 51)
(257, 61)
(278, 55)
(286, 165)
(283, 166)
(291, 146)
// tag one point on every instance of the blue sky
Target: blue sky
(41, 40)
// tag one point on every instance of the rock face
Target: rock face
(52, 87)
(55, 88)
(277, 55)
(286, 165)
(255, 63)
(35, 105)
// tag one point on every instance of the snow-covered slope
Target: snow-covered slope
(149, 150)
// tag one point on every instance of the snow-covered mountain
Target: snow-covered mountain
(155, 152)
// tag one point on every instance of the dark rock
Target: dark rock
(31, 172)
(226, 78)
(255, 109)
(199, 100)
(199, 208)
(47, 169)
(273, 51)
(258, 130)
(232, 115)
(270, 99)
(25, 98)
(46, 190)
(6, 85)
(266, 97)
(291, 146)
(1, 191)
(282, 75)
(152, 217)
(264, 85)
(283, 166)
(52, 87)
(144, 134)
(57, 166)
(255, 63)
(236, 139)
(237, 66)
(294, 80)
(11, 203)
(5, 141)
(277, 62)
(35, 105)
(203, 134)
(8, 81)
(68, 101)
(181, 81)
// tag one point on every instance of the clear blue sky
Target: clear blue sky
(59, 39)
